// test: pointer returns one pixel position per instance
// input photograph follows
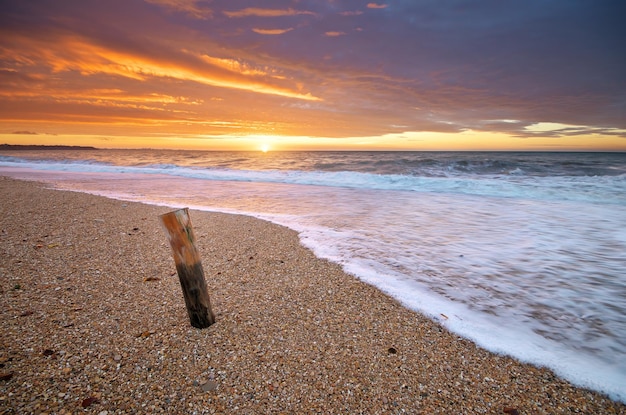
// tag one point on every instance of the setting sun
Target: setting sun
(265, 148)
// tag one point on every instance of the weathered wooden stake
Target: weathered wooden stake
(190, 273)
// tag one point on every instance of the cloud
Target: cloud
(376, 6)
(351, 13)
(190, 7)
(272, 31)
(419, 66)
(25, 132)
(234, 65)
(546, 129)
(252, 11)
(74, 53)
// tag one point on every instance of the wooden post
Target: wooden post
(190, 273)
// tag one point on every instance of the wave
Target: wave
(595, 189)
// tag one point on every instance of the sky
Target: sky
(315, 74)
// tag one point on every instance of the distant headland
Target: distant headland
(43, 147)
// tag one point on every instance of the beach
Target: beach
(93, 321)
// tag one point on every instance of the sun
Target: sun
(265, 148)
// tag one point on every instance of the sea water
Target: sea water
(523, 253)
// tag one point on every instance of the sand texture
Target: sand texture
(93, 321)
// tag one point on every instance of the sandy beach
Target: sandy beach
(93, 321)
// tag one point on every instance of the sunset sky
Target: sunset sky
(315, 74)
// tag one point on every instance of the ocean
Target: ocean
(523, 253)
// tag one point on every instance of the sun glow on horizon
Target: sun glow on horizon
(408, 141)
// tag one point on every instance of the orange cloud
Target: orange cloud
(376, 6)
(189, 7)
(253, 11)
(334, 34)
(234, 65)
(78, 54)
(103, 97)
(272, 31)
